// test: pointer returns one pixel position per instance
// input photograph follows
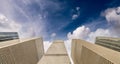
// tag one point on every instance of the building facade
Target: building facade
(84, 52)
(5, 36)
(111, 43)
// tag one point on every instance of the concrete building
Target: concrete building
(56, 54)
(87, 53)
(109, 42)
(4, 36)
(28, 51)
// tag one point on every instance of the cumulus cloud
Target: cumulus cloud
(53, 34)
(118, 11)
(99, 32)
(112, 15)
(7, 25)
(85, 33)
(78, 8)
(80, 32)
(76, 14)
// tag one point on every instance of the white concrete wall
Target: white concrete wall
(86, 53)
(26, 52)
(56, 54)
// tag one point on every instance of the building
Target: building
(109, 42)
(56, 54)
(87, 53)
(31, 51)
(28, 51)
(4, 36)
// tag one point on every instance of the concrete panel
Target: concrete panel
(6, 56)
(89, 57)
(18, 54)
(54, 60)
(56, 54)
(57, 47)
(40, 48)
(30, 52)
(86, 53)
(24, 52)
(111, 43)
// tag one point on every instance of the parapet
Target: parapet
(21, 52)
(87, 53)
(58, 41)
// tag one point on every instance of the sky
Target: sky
(61, 19)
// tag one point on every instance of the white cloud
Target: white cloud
(113, 17)
(99, 32)
(76, 15)
(7, 25)
(80, 32)
(46, 45)
(85, 33)
(77, 8)
(53, 34)
(118, 10)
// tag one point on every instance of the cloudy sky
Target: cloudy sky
(61, 19)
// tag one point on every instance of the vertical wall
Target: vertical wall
(86, 53)
(56, 54)
(111, 43)
(25, 52)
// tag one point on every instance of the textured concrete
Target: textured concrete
(6, 56)
(24, 52)
(57, 48)
(86, 53)
(56, 54)
(111, 43)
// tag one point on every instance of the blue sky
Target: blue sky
(60, 19)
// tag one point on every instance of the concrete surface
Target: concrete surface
(108, 42)
(56, 54)
(24, 52)
(87, 53)
(57, 48)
